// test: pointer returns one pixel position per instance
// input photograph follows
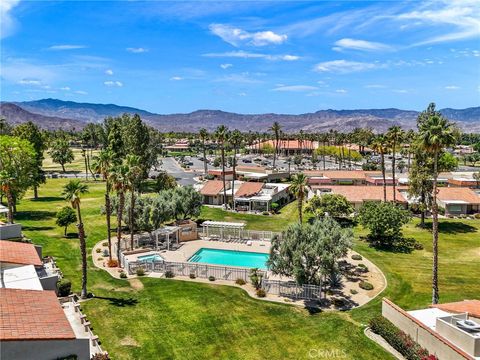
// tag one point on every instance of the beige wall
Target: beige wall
(44, 349)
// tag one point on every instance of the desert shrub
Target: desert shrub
(169, 274)
(356, 257)
(112, 263)
(64, 287)
(338, 302)
(192, 276)
(353, 291)
(100, 258)
(140, 272)
(100, 357)
(255, 278)
(261, 293)
(362, 267)
(211, 278)
(105, 243)
(335, 279)
(240, 282)
(365, 285)
(98, 250)
(477, 216)
(123, 275)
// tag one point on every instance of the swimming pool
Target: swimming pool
(150, 258)
(230, 258)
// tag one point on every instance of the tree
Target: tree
(476, 176)
(435, 134)
(136, 139)
(134, 176)
(395, 136)
(65, 217)
(221, 134)
(31, 132)
(379, 145)
(334, 205)
(61, 153)
(306, 251)
(119, 181)
(102, 164)
(384, 220)
(72, 192)
(236, 140)
(204, 136)
(185, 202)
(276, 129)
(164, 182)
(298, 187)
(17, 161)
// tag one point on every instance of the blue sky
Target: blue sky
(249, 57)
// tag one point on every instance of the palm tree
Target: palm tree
(436, 134)
(221, 135)
(133, 177)
(395, 136)
(298, 187)
(102, 165)
(276, 128)
(119, 181)
(204, 136)
(380, 147)
(72, 192)
(236, 139)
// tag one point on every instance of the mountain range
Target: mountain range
(68, 115)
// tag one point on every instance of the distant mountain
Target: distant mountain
(323, 120)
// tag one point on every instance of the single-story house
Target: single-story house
(220, 174)
(458, 200)
(212, 192)
(462, 181)
(259, 173)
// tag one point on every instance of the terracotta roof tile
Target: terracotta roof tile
(32, 315)
(338, 174)
(458, 194)
(472, 307)
(14, 252)
(357, 194)
(212, 188)
(249, 189)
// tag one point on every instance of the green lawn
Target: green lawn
(165, 319)
(78, 164)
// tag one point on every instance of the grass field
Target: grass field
(78, 164)
(165, 319)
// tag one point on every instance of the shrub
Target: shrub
(240, 282)
(192, 276)
(338, 302)
(64, 287)
(265, 213)
(140, 272)
(365, 285)
(261, 293)
(98, 250)
(100, 357)
(169, 274)
(112, 263)
(105, 243)
(477, 216)
(100, 258)
(356, 257)
(362, 267)
(353, 291)
(255, 278)
(211, 278)
(123, 275)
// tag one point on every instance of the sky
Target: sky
(242, 56)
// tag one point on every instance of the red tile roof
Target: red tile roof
(14, 252)
(212, 187)
(472, 307)
(249, 189)
(358, 194)
(338, 174)
(252, 168)
(32, 315)
(458, 194)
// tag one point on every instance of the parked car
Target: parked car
(247, 161)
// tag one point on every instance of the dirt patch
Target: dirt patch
(136, 284)
(128, 341)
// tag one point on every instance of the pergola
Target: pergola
(215, 227)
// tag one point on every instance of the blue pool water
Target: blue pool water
(230, 258)
(150, 258)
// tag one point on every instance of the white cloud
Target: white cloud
(138, 50)
(176, 78)
(452, 87)
(341, 91)
(113, 83)
(344, 66)
(362, 45)
(66, 47)
(295, 88)
(249, 55)
(80, 92)
(236, 36)
(30, 82)
(8, 24)
(242, 78)
(65, 88)
(375, 86)
(225, 66)
(109, 72)
(400, 91)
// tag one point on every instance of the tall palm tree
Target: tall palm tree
(395, 136)
(236, 139)
(221, 134)
(72, 192)
(119, 181)
(276, 128)
(298, 187)
(134, 175)
(102, 164)
(436, 134)
(379, 145)
(204, 136)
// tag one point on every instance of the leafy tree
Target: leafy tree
(5, 127)
(115, 140)
(188, 202)
(30, 132)
(61, 153)
(137, 141)
(306, 251)
(65, 217)
(298, 187)
(334, 205)
(17, 163)
(72, 192)
(164, 182)
(384, 220)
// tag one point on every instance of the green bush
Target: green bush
(123, 275)
(140, 272)
(261, 293)
(365, 285)
(169, 274)
(362, 267)
(105, 243)
(477, 216)
(356, 257)
(255, 278)
(353, 291)
(192, 276)
(64, 287)
(98, 250)
(211, 278)
(240, 282)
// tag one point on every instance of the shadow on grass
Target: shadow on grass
(120, 302)
(452, 227)
(34, 215)
(37, 228)
(48, 199)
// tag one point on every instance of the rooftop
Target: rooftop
(13, 252)
(249, 189)
(32, 315)
(212, 187)
(472, 307)
(20, 277)
(458, 195)
(356, 194)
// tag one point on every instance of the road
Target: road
(172, 168)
